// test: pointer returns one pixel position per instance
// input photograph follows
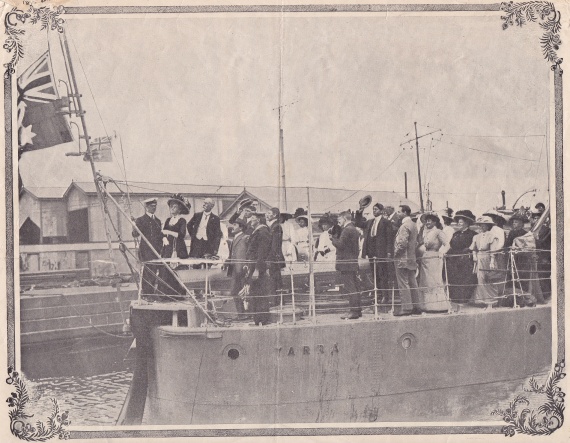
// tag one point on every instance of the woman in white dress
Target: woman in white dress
(486, 265)
(301, 238)
(432, 247)
(324, 249)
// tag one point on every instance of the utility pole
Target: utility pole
(419, 173)
(406, 184)
(416, 138)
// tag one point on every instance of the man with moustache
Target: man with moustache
(205, 232)
(151, 228)
(378, 246)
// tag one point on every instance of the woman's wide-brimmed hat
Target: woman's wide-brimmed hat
(327, 218)
(245, 202)
(429, 215)
(182, 201)
(447, 215)
(485, 220)
(495, 215)
(519, 217)
(466, 215)
(365, 201)
(300, 212)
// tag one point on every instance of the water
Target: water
(98, 399)
(90, 400)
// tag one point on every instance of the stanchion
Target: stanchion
(449, 307)
(292, 292)
(393, 299)
(375, 293)
(513, 279)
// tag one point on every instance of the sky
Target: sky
(194, 100)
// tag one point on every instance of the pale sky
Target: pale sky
(193, 99)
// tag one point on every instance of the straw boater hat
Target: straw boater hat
(365, 201)
(466, 215)
(182, 201)
(485, 220)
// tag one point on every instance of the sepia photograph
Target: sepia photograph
(268, 219)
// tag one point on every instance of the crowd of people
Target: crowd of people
(427, 261)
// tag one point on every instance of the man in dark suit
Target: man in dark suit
(378, 244)
(347, 250)
(237, 264)
(257, 255)
(205, 232)
(276, 258)
(151, 228)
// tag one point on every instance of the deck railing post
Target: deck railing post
(375, 292)
(292, 291)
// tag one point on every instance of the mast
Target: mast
(419, 174)
(282, 190)
(312, 304)
(80, 112)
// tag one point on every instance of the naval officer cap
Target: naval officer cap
(150, 201)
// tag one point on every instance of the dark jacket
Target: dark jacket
(513, 233)
(347, 248)
(213, 231)
(238, 251)
(382, 244)
(258, 250)
(175, 242)
(152, 230)
(276, 252)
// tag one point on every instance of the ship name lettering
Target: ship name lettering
(306, 350)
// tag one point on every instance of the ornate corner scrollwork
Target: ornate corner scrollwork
(549, 416)
(20, 427)
(548, 18)
(48, 16)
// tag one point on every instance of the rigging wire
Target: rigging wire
(96, 107)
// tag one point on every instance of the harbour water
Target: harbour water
(94, 394)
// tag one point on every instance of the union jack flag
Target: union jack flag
(37, 83)
(41, 123)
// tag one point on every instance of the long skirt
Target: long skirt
(489, 283)
(432, 296)
(462, 281)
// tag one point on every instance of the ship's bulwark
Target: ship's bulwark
(342, 372)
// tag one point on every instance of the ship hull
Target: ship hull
(361, 371)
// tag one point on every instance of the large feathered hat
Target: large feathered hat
(182, 201)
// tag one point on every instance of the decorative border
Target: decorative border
(516, 13)
(19, 419)
(550, 415)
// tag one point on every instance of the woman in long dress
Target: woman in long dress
(325, 250)
(486, 265)
(433, 245)
(174, 232)
(460, 277)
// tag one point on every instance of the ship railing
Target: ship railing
(289, 303)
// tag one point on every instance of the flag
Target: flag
(41, 122)
(101, 150)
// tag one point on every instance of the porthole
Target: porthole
(233, 353)
(533, 327)
(407, 341)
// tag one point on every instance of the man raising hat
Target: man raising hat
(151, 228)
